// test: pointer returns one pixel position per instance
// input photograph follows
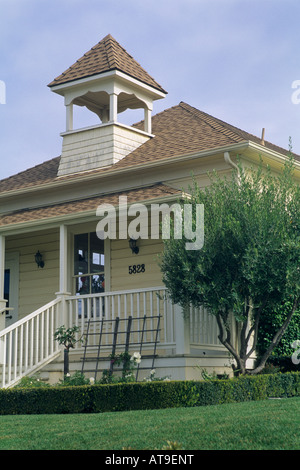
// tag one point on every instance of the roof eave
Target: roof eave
(70, 219)
(234, 149)
(63, 87)
(113, 172)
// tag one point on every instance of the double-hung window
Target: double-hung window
(88, 264)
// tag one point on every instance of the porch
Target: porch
(178, 342)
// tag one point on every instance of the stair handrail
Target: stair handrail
(11, 365)
(29, 317)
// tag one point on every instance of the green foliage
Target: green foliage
(251, 254)
(74, 380)
(67, 336)
(128, 363)
(31, 382)
(146, 395)
(273, 319)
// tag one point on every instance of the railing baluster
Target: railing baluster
(15, 352)
(36, 338)
(42, 352)
(9, 356)
(4, 360)
(21, 345)
(26, 343)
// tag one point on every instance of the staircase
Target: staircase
(28, 345)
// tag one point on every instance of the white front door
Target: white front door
(11, 287)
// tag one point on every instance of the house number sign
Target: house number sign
(136, 268)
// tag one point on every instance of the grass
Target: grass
(263, 425)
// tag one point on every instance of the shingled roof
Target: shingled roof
(184, 129)
(106, 56)
(74, 208)
(180, 130)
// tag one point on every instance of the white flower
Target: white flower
(92, 380)
(136, 357)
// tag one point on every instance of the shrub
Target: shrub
(146, 395)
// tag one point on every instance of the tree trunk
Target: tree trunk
(241, 357)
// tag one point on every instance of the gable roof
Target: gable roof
(106, 56)
(180, 130)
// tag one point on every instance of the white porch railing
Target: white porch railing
(203, 328)
(136, 303)
(29, 344)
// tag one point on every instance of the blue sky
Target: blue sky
(234, 59)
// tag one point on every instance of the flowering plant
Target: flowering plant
(136, 358)
(151, 377)
(128, 362)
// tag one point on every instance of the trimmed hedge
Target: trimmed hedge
(147, 395)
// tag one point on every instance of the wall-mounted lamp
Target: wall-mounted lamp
(134, 248)
(39, 260)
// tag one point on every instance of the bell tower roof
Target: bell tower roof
(106, 56)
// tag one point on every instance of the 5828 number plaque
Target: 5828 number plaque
(136, 268)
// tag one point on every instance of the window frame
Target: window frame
(105, 272)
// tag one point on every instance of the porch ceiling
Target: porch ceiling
(48, 213)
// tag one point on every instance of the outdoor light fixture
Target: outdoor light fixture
(132, 244)
(39, 260)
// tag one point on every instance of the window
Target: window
(88, 264)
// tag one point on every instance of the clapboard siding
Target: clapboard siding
(122, 258)
(99, 146)
(36, 286)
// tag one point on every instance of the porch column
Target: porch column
(2, 276)
(63, 270)
(182, 330)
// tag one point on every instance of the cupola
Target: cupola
(107, 81)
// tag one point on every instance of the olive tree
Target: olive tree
(250, 259)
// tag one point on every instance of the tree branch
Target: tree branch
(277, 337)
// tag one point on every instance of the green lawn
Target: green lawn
(263, 425)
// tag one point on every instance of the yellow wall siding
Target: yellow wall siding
(122, 258)
(36, 286)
